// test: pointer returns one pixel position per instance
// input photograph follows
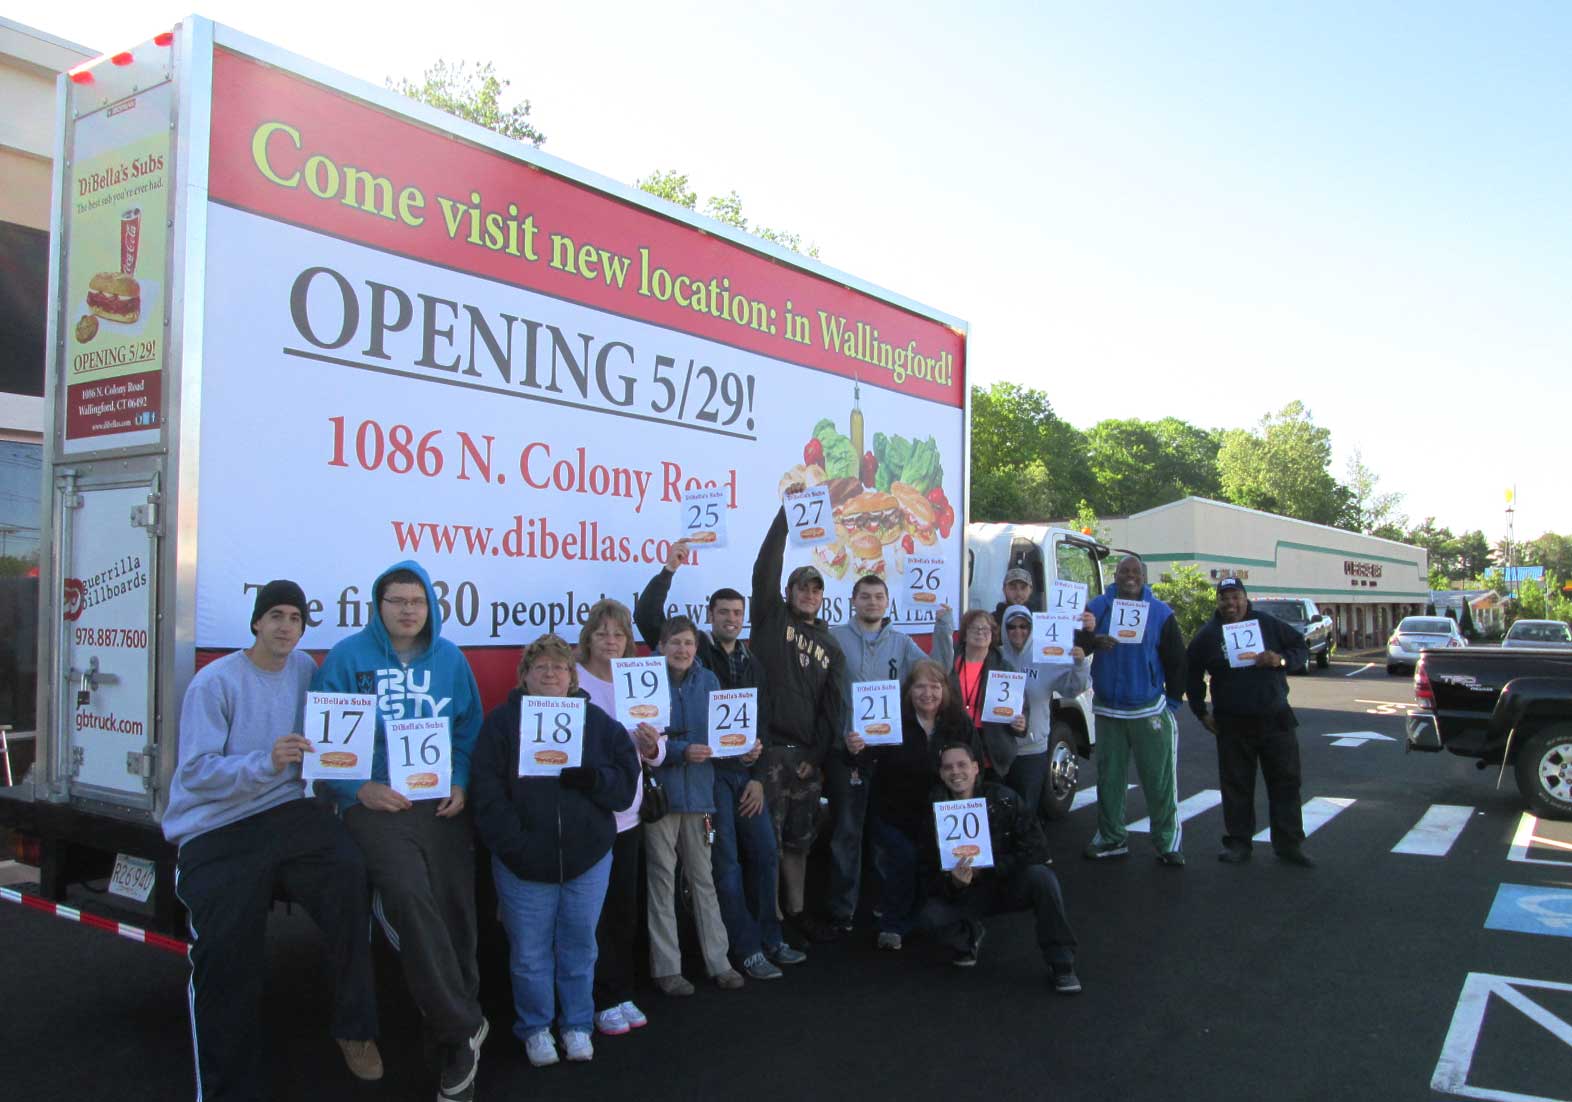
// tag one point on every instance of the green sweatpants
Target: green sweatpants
(1153, 742)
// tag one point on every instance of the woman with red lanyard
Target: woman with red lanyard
(977, 657)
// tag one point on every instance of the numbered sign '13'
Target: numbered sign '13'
(1127, 621)
(734, 715)
(703, 522)
(551, 735)
(343, 729)
(420, 757)
(963, 832)
(1242, 642)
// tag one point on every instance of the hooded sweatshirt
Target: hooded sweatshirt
(1042, 682)
(887, 654)
(436, 681)
(1135, 680)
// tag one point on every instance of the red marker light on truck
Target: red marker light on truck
(81, 76)
(122, 59)
(1424, 695)
(164, 39)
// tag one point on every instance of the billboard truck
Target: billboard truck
(301, 327)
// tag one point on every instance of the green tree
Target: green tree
(1553, 552)
(1473, 554)
(1027, 463)
(674, 187)
(1281, 467)
(473, 94)
(1142, 464)
(1189, 593)
(1438, 579)
(1365, 510)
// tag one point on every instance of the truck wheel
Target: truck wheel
(1063, 772)
(1324, 659)
(1390, 669)
(1544, 771)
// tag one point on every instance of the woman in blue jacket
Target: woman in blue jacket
(550, 841)
(689, 780)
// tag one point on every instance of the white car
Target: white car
(1419, 633)
(1538, 635)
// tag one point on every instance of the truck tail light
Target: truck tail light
(1424, 695)
(24, 848)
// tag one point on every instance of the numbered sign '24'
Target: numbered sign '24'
(1127, 621)
(343, 728)
(1242, 642)
(551, 735)
(641, 691)
(876, 712)
(420, 757)
(734, 717)
(703, 516)
(963, 832)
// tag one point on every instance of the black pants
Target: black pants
(617, 933)
(227, 879)
(1241, 743)
(1032, 887)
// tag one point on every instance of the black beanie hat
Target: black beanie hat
(280, 591)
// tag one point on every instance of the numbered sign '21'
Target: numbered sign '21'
(1242, 642)
(420, 757)
(343, 728)
(1127, 621)
(808, 518)
(876, 712)
(734, 718)
(703, 516)
(642, 691)
(963, 832)
(551, 735)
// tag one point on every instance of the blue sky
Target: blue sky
(1199, 209)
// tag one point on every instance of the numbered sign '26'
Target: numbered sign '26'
(420, 757)
(703, 516)
(343, 728)
(876, 712)
(551, 735)
(641, 691)
(963, 832)
(734, 718)
(925, 580)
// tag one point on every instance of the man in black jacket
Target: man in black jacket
(1251, 719)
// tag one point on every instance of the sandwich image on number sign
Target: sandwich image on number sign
(967, 850)
(702, 537)
(642, 711)
(878, 728)
(551, 757)
(1003, 710)
(339, 759)
(115, 296)
(733, 740)
(422, 780)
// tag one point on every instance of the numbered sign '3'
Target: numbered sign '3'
(1006, 692)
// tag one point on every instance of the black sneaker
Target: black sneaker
(458, 1071)
(1065, 981)
(1234, 855)
(967, 957)
(1173, 859)
(815, 929)
(1295, 856)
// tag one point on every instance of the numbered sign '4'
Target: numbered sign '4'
(343, 729)
(551, 735)
(1053, 637)
(420, 757)
(808, 519)
(1127, 621)
(703, 516)
(1242, 642)
(734, 717)
(876, 712)
(963, 832)
(1006, 693)
(642, 691)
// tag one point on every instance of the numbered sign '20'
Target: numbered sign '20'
(963, 832)
(343, 729)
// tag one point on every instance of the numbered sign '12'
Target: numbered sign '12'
(641, 691)
(1006, 694)
(1052, 638)
(1242, 642)
(734, 718)
(343, 728)
(876, 712)
(420, 757)
(1067, 598)
(703, 516)
(808, 518)
(551, 735)
(963, 832)
(1127, 621)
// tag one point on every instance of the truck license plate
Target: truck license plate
(133, 878)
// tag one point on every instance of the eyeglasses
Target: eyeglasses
(550, 667)
(405, 602)
(979, 629)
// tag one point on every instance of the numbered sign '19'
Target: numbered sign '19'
(925, 581)
(703, 516)
(808, 518)
(734, 718)
(1006, 695)
(420, 757)
(551, 735)
(343, 728)
(963, 832)
(1242, 642)
(1052, 638)
(1067, 598)
(876, 712)
(1127, 621)
(641, 690)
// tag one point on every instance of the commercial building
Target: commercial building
(1365, 584)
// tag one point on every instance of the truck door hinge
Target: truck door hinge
(139, 763)
(146, 516)
(76, 760)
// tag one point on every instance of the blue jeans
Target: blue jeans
(746, 868)
(1028, 776)
(900, 894)
(551, 943)
(849, 806)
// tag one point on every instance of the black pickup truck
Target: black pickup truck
(1501, 706)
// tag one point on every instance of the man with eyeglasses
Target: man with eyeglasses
(420, 856)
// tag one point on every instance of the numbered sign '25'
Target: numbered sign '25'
(703, 516)
(551, 735)
(963, 832)
(343, 729)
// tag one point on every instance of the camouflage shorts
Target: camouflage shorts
(792, 801)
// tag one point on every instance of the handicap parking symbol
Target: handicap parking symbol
(1532, 909)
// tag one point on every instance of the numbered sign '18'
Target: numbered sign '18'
(808, 518)
(343, 728)
(551, 735)
(925, 581)
(1242, 642)
(641, 690)
(703, 516)
(963, 832)
(1053, 637)
(1067, 598)
(420, 757)
(876, 712)
(734, 717)
(1127, 621)
(1006, 694)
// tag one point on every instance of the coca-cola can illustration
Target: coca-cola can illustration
(130, 239)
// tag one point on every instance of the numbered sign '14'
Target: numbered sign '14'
(343, 729)
(420, 757)
(963, 832)
(551, 735)
(1242, 642)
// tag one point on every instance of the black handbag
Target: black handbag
(656, 803)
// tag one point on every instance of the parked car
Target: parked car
(1538, 635)
(1307, 620)
(1415, 634)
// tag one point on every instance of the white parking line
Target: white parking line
(1435, 833)
(1189, 808)
(1318, 811)
(1088, 796)
(1361, 669)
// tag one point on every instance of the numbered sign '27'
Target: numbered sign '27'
(963, 832)
(551, 735)
(808, 518)
(343, 728)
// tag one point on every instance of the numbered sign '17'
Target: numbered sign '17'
(1006, 694)
(1067, 598)
(343, 728)
(703, 516)
(1242, 642)
(641, 691)
(1053, 637)
(551, 735)
(808, 518)
(734, 718)
(963, 832)
(1127, 621)
(876, 712)
(420, 757)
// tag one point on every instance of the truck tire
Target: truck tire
(1324, 659)
(1063, 772)
(1544, 771)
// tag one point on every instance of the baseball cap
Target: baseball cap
(804, 574)
(1017, 574)
(1230, 583)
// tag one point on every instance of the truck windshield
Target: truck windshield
(1292, 611)
(1541, 633)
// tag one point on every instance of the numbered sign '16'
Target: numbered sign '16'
(1067, 598)
(1242, 642)
(808, 518)
(703, 516)
(420, 757)
(734, 717)
(963, 832)
(343, 728)
(551, 735)
(1127, 621)
(1006, 692)
(642, 691)
(876, 712)
(1053, 637)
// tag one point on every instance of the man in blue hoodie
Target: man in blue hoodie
(1137, 686)
(421, 856)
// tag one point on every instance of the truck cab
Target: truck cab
(1049, 554)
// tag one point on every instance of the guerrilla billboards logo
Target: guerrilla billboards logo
(1362, 573)
(125, 576)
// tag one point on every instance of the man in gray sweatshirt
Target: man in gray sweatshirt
(239, 814)
(875, 651)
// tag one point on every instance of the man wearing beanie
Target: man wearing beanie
(238, 813)
(1252, 721)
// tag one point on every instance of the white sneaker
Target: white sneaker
(541, 1049)
(576, 1043)
(611, 1022)
(633, 1016)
